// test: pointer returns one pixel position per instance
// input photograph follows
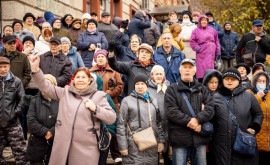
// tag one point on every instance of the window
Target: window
(145, 4)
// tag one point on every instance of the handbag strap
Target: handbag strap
(93, 119)
(139, 113)
(188, 104)
(139, 116)
(233, 117)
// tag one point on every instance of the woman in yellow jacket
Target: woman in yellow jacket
(260, 88)
(175, 29)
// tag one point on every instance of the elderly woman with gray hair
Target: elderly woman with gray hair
(157, 88)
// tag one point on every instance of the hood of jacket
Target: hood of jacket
(64, 22)
(208, 74)
(72, 51)
(138, 14)
(199, 20)
(257, 75)
(261, 35)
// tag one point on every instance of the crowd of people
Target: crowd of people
(67, 80)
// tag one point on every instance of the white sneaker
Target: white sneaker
(117, 160)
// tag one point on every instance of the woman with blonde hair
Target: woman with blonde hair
(175, 29)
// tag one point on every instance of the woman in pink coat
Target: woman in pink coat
(74, 139)
(204, 41)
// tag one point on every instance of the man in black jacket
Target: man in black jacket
(255, 42)
(183, 127)
(54, 62)
(11, 98)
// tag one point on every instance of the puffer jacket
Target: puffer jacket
(218, 28)
(75, 59)
(129, 115)
(11, 97)
(137, 26)
(263, 136)
(179, 115)
(59, 66)
(109, 30)
(228, 44)
(130, 69)
(84, 42)
(41, 118)
(247, 44)
(249, 115)
(171, 67)
(152, 89)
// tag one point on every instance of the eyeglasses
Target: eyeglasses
(57, 22)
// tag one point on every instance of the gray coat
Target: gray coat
(152, 89)
(152, 35)
(129, 114)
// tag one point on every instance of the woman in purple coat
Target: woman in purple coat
(204, 41)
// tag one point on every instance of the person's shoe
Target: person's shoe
(117, 160)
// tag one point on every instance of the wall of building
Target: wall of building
(16, 9)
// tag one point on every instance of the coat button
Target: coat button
(50, 116)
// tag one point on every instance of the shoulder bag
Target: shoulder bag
(144, 139)
(207, 128)
(250, 58)
(103, 140)
(245, 143)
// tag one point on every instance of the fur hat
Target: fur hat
(28, 38)
(29, 15)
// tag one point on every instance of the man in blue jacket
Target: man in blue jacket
(169, 58)
(228, 44)
(138, 23)
(215, 25)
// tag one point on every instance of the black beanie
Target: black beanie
(142, 78)
(29, 15)
(92, 20)
(232, 72)
(16, 21)
(28, 38)
(209, 13)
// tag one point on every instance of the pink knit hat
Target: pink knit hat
(196, 14)
(101, 51)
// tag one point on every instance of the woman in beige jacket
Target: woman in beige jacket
(74, 140)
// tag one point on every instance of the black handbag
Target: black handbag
(103, 140)
(207, 128)
(245, 143)
(250, 58)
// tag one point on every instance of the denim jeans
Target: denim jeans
(197, 155)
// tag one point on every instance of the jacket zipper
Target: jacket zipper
(267, 128)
